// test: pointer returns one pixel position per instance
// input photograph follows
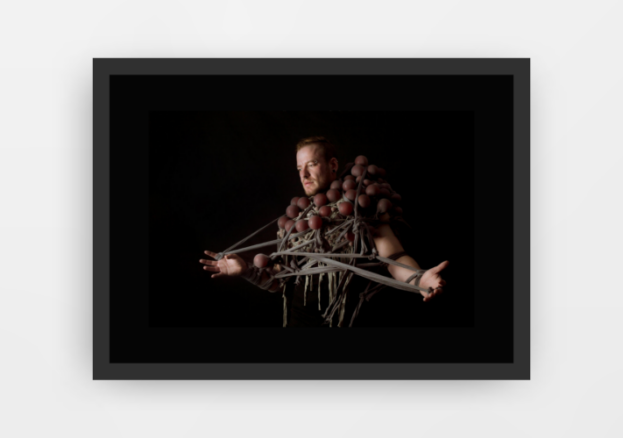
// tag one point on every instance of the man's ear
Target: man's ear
(334, 164)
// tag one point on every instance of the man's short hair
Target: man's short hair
(327, 148)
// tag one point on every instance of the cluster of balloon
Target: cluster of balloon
(362, 190)
(374, 195)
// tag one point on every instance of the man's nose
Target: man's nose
(304, 173)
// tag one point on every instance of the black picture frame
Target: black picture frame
(106, 367)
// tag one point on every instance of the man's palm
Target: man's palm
(230, 265)
(432, 278)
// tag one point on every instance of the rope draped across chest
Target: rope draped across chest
(330, 235)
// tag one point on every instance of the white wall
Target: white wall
(46, 220)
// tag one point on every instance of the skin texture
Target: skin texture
(314, 170)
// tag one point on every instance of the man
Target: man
(317, 168)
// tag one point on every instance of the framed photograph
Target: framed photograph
(361, 219)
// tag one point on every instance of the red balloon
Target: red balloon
(325, 211)
(292, 211)
(396, 197)
(385, 186)
(320, 199)
(367, 182)
(337, 184)
(357, 170)
(282, 221)
(372, 169)
(315, 222)
(358, 179)
(349, 177)
(301, 226)
(351, 194)
(384, 205)
(364, 201)
(349, 185)
(361, 160)
(261, 260)
(398, 210)
(345, 208)
(380, 180)
(384, 193)
(294, 200)
(373, 190)
(303, 203)
(350, 236)
(289, 224)
(333, 195)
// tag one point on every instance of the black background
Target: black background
(201, 162)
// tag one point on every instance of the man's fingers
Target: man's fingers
(208, 262)
(217, 275)
(440, 267)
(212, 268)
(211, 254)
(432, 294)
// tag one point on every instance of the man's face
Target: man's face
(315, 173)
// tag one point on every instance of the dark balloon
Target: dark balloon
(325, 211)
(384, 193)
(320, 199)
(357, 170)
(315, 222)
(345, 208)
(261, 260)
(292, 211)
(333, 195)
(337, 184)
(282, 221)
(396, 197)
(351, 194)
(294, 200)
(361, 160)
(301, 226)
(364, 201)
(303, 203)
(372, 169)
(289, 224)
(367, 182)
(382, 172)
(349, 177)
(349, 185)
(384, 205)
(398, 211)
(350, 236)
(373, 190)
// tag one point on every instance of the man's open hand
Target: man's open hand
(230, 265)
(432, 278)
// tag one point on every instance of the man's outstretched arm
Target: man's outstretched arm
(387, 244)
